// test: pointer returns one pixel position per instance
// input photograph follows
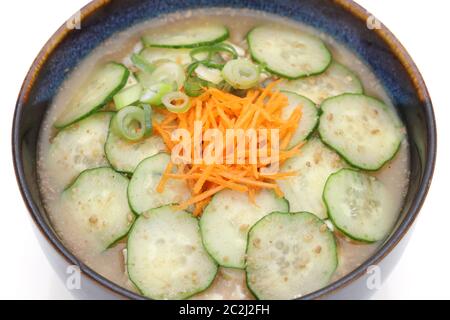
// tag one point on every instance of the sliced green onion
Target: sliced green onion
(168, 72)
(224, 86)
(194, 86)
(208, 52)
(176, 102)
(191, 68)
(142, 64)
(212, 64)
(129, 123)
(128, 96)
(241, 74)
(143, 78)
(209, 74)
(239, 50)
(154, 93)
(147, 120)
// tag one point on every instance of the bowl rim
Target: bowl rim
(350, 6)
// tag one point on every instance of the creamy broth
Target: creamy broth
(230, 283)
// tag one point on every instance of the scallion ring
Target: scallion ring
(193, 66)
(142, 64)
(194, 86)
(168, 72)
(241, 74)
(148, 127)
(176, 102)
(154, 93)
(210, 51)
(129, 123)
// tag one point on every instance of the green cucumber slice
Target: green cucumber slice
(228, 217)
(128, 96)
(124, 155)
(289, 255)
(96, 206)
(309, 120)
(313, 166)
(100, 88)
(360, 205)
(142, 194)
(166, 258)
(79, 147)
(287, 52)
(361, 129)
(191, 37)
(335, 81)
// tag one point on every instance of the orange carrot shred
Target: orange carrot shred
(260, 108)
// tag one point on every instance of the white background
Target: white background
(423, 28)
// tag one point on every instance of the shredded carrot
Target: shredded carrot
(260, 109)
(200, 197)
(199, 206)
(162, 182)
(199, 184)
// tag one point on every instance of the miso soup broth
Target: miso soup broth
(352, 224)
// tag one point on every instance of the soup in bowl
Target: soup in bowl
(226, 154)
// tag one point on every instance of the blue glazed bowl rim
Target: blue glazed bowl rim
(359, 13)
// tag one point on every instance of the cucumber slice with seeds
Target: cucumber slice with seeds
(360, 205)
(313, 166)
(287, 52)
(361, 129)
(79, 147)
(289, 255)
(309, 120)
(96, 206)
(142, 194)
(166, 258)
(228, 217)
(335, 81)
(100, 88)
(190, 37)
(125, 155)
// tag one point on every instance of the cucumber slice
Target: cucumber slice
(226, 220)
(125, 155)
(191, 37)
(309, 120)
(155, 55)
(289, 255)
(142, 194)
(313, 166)
(335, 81)
(361, 129)
(287, 52)
(79, 147)
(360, 205)
(166, 258)
(96, 206)
(101, 87)
(128, 96)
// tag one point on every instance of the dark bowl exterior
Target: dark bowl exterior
(343, 19)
